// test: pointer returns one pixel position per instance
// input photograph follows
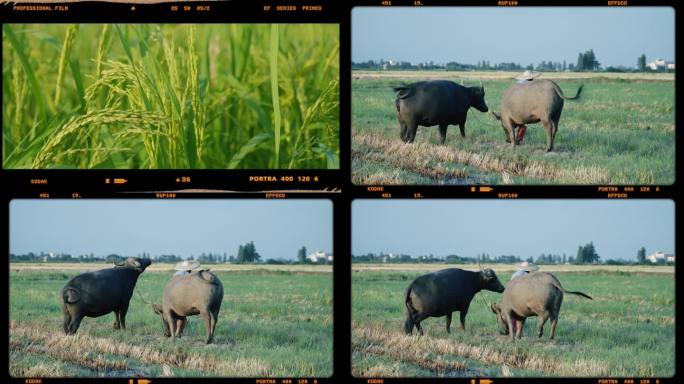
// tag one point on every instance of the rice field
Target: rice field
(621, 131)
(627, 330)
(273, 323)
(170, 96)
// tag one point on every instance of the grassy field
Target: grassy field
(273, 322)
(621, 131)
(627, 330)
(160, 96)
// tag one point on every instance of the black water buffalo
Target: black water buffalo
(197, 293)
(98, 293)
(437, 102)
(534, 294)
(531, 102)
(440, 293)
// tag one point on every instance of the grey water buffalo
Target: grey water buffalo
(440, 293)
(535, 294)
(532, 102)
(437, 102)
(94, 294)
(197, 293)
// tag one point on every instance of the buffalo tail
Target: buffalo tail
(410, 311)
(577, 95)
(207, 276)
(70, 295)
(578, 293)
(403, 91)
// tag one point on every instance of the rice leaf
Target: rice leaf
(248, 148)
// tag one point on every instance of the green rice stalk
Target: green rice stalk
(20, 86)
(64, 59)
(274, 91)
(127, 48)
(78, 80)
(101, 47)
(248, 148)
(198, 114)
(79, 124)
(44, 107)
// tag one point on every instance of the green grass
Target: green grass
(621, 131)
(628, 330)
(272, 323)
(158, 96)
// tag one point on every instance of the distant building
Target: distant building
(661, 257)
(320, 257)
(660, 64)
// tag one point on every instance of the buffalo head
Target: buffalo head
(135, 263)
(477, 100)
(489, 281)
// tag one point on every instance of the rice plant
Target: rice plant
(157, 96)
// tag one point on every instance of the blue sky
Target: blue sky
(525, 228)
(522, 35)
(182, 227)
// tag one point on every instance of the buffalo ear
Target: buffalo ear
(495, 308)
(157, 308)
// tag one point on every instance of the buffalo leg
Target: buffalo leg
(521, 325)
(122, 316)
(442, 133)
(548, 126)
(511, 325)
(417, 319)
(463, 314)
(171, 320)
(408, 324)
(180, 325)
(510, 131)
(207, 325)
(461, 127)
(214, 318)
(75, 323)
(448, 322)
(554, 322)
(117, 323)
(411, 131)
(403, 128)
(183, 324)
(541, 322)
(67, 320)
(419, 328)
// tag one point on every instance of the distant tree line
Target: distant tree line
(430, 258)
(586, 254)
(246, 253)
(586, 62)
